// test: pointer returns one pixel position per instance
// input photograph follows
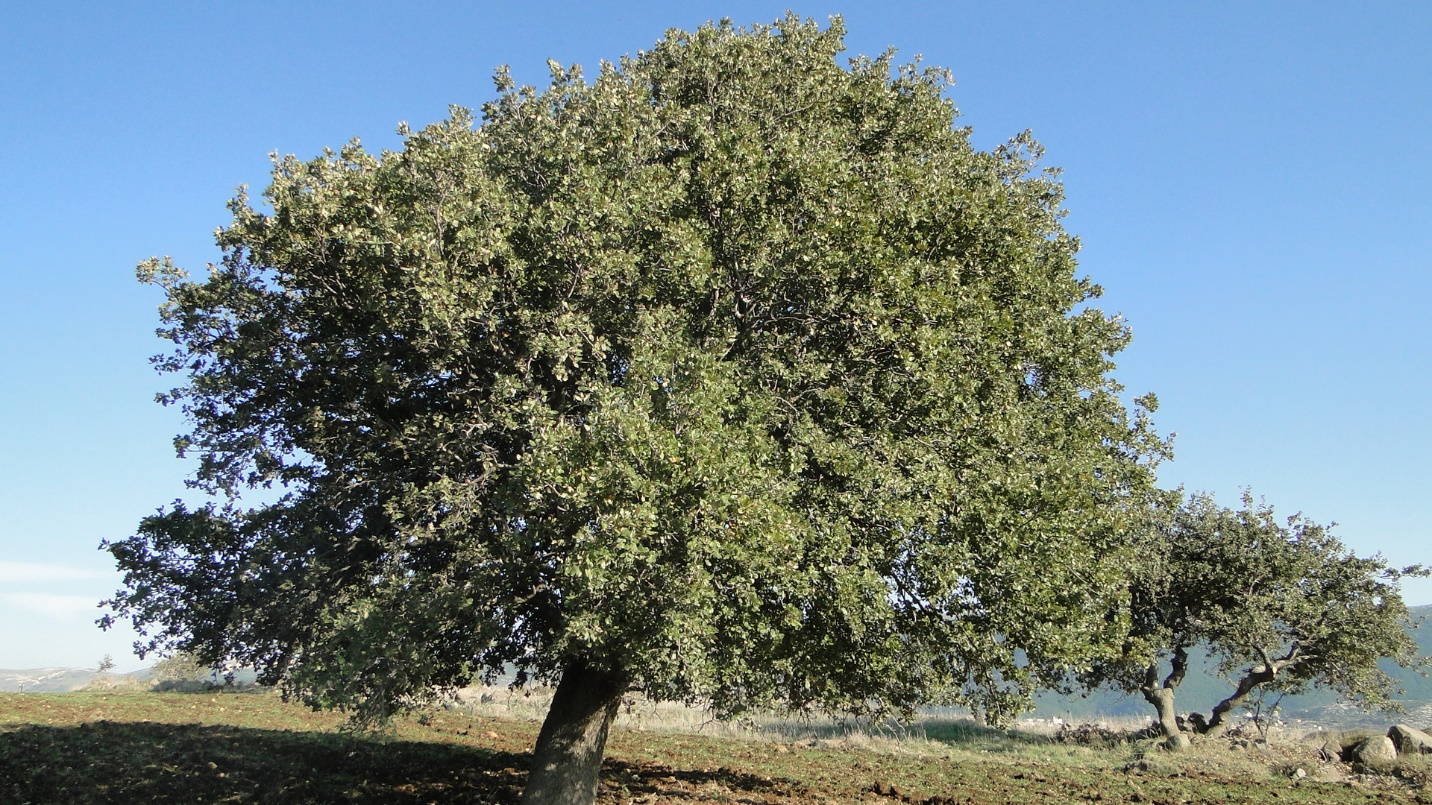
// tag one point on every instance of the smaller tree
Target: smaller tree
(184, 671)
(1278, 605)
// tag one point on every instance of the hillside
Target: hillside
(56, 680)
(81, 748)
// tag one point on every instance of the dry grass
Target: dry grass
(213, 747)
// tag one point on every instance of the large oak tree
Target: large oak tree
(734, 376)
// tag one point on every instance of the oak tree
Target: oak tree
(735, 375)
(1277, 605)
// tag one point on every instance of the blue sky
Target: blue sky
(1250, 182)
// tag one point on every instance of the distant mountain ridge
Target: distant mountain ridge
(57, 680)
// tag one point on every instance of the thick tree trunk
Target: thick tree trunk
(1161, 697)
(1162, 700)
(567, 761)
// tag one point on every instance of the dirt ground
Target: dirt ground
(192, 748)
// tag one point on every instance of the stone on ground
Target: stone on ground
(1371, 751)
(1410, 741)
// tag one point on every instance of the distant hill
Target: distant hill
(56, 680)
(1202, 689)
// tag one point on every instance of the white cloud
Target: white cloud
(41, 573)
(51, 605)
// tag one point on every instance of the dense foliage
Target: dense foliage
(1277, 604)
(734, 376)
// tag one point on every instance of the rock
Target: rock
(1299, 774)
(1372, 751)
(1410, 741)
(1339, 745)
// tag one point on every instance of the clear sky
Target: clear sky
(1250, 180)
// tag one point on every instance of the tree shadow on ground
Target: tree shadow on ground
(113, 762)
(168, 763)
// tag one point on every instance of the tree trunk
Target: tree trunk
(567, 761)
(1218, 719)
(1162, 700)
(1161, 697)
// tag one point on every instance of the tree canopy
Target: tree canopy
(1278, 604)
(733, 376)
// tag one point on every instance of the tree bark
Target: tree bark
(567, 761)
(1218, 719)
(1161, 697)
(1162, 700)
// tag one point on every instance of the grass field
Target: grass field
(122, 747)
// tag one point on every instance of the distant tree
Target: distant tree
(180, 669)
(105, 665)
(733, 377)
(1278, 605)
